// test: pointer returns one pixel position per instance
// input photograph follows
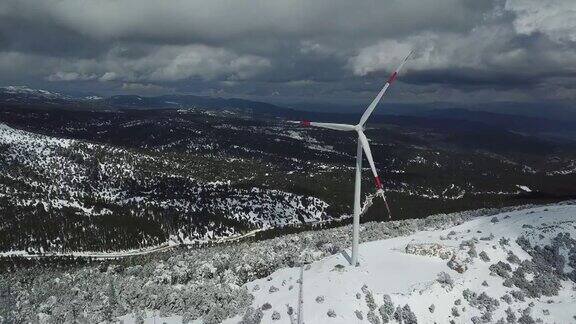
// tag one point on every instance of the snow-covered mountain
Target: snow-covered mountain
(24, 90)
(23, 96)
(26, 95)
(30, 97)
(193, 175)
(151, 200)
(148, 157)
(516, 265)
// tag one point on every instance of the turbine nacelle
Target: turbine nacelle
(362, 139)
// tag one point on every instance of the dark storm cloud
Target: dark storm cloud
(45, 38)
(509, 49)
(218, 22)
(471, 79)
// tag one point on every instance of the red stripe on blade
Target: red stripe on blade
(305, 123)
(392, 77)
(378, 183)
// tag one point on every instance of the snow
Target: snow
(26, 91)
(570, 168)
(524, 188)
(151, 317)
(386, 268)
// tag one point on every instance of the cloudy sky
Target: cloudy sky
(466, 51)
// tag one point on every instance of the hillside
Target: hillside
(64, 195)
(517, 266)
(132, 180)
(476, 266)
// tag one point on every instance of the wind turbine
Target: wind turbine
(362, 146)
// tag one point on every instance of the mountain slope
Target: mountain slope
(63, 195)
(142, 178)
(248, 282)
(519, 265)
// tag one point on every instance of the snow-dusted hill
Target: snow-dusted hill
(26, 91)
(484, 266)
(110, 179)
(62, 187)
(515, 267)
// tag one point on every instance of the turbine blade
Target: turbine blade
(339, 127)
(368, 151)
(381, 191)
(390, 80)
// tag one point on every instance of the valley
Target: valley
(132, 179)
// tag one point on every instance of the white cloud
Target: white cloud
(493, 48)
(70, 76)
(432, 50)
(555, 18)
(108, 76)
(164, 63)
(172, 63)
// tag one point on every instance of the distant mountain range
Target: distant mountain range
(549, 110)
(24, 96)
(551, 128)
(552, 122)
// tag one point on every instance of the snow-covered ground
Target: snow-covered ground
(442, 275)
(513, 265)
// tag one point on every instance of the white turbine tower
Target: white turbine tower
(362, 145)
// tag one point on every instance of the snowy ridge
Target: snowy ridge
(486, 270)
(23, 94)
(29, 91)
